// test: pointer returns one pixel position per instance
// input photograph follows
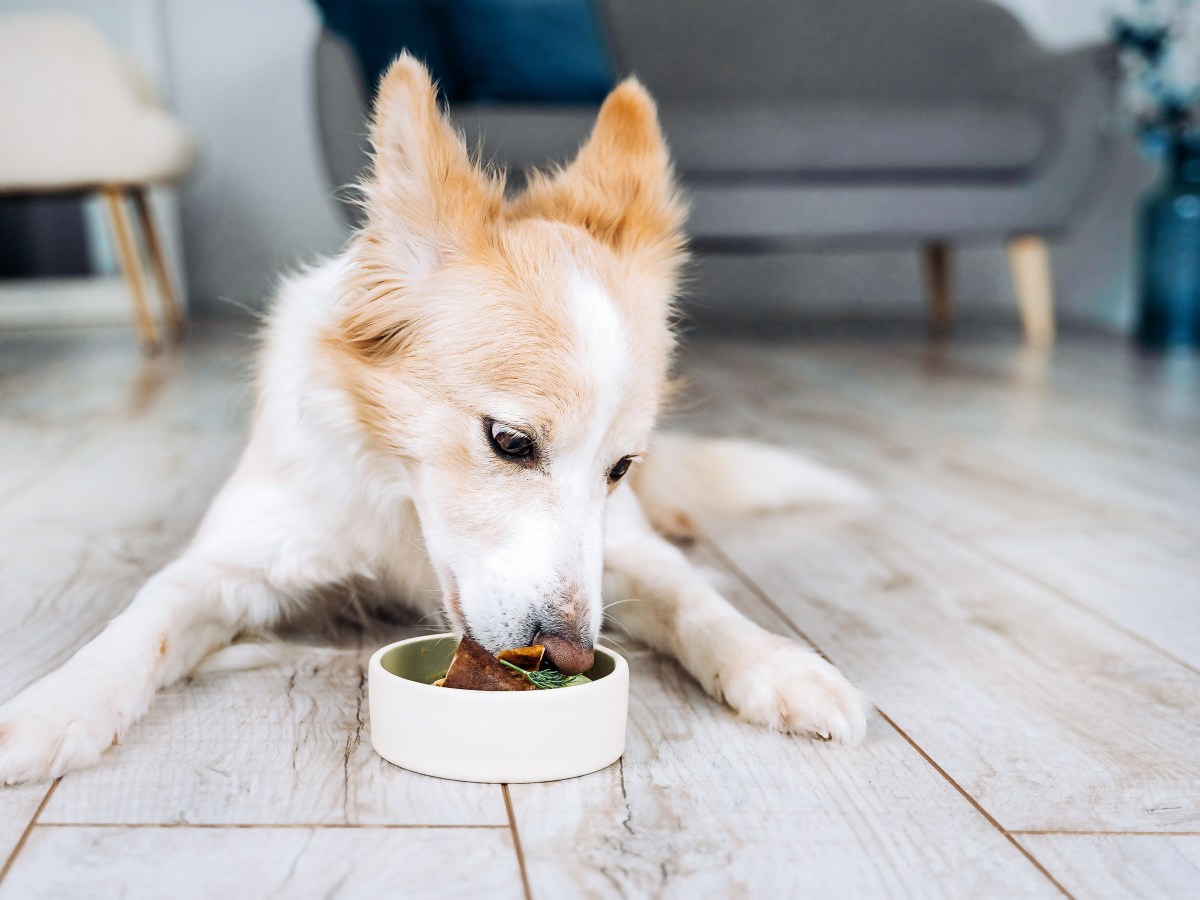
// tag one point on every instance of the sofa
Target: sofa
(797, 123)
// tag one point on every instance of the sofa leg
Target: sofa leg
(1029, 260)
(939, 288)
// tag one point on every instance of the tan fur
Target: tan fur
(482, 300)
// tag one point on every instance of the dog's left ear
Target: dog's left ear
(621, 186)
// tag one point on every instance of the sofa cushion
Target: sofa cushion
(813, 141)
(828, 140)
(534, 51)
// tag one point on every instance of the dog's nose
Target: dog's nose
(567, 654)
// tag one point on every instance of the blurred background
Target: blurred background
(833, 150)
(1019, 179)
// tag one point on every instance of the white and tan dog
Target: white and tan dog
(462, 404)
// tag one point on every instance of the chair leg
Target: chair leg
(158, 263)
(131, 266)
(939, 287)
(1029, 260)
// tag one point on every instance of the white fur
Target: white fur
(685, 481)
(598, 330)
(309, 507)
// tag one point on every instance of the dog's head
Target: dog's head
(511, 355)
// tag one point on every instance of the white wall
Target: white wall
(260, 202)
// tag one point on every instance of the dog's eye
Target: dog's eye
(617, 472)
(509, 442)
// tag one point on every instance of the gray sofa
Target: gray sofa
(800, 122)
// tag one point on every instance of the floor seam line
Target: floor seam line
(758, 592)
(21, 841)
(979, 807)
(1067, 832)
(969, 544)
(750, 584)
(329, 826)
(516, 836)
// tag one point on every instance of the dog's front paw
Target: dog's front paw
(46, 732)
(788, 688)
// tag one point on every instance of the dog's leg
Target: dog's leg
(234, 577)
(765, 678)
(72, 715)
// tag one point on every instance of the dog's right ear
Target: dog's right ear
(425, 197)
(425, 201)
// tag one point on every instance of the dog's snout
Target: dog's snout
(567, 653)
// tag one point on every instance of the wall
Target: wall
(260, 202)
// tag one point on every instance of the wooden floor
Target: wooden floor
(1023, 609)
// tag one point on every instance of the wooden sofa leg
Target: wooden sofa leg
(158, 263)
(1029, 260)
(131, 266)
(939, 287)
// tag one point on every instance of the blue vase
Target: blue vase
(1169, 314)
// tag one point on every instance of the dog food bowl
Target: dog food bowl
(492, 736)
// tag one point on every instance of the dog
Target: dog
(460, 406)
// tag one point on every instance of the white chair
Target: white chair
(77, 117)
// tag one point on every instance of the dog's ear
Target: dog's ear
(425, 201)
(425, 196)
(621, 186)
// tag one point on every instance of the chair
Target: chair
(793, 123)
(77, 118)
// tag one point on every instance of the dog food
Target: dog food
(517, 669)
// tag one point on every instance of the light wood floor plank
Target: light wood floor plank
(297, 863)
(157, 470)
(1048, 717)
(17, 805)
(705, 805)
(1113, 443)
(31, 451)
(150, 439)
(961, 453)
(930, 453)
(279, 746)
(991, 464)
(1148, 583)
(59, 589)
(1116, 867)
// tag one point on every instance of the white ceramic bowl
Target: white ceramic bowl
(493, 736)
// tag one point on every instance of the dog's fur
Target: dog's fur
(370, 458)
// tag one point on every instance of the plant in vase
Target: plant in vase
(1159, 48)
